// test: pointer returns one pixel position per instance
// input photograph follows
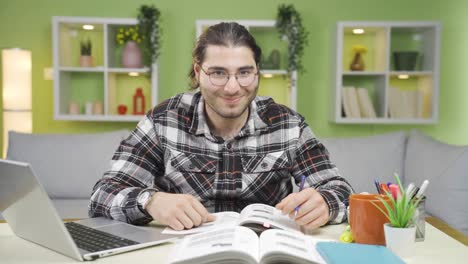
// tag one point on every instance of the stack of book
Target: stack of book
(357, 103)
(405, 103)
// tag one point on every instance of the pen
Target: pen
(377, 186)
(300, 189)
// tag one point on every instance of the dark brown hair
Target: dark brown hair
(222, 34)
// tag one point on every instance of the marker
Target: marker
(422, 189)
(300, 189)
(409, 189)
(395, 191)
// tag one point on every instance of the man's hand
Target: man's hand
(313, 212)
(178, 211)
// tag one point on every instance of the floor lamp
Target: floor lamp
(16, 76)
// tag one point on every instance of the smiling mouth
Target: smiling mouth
(231, 100)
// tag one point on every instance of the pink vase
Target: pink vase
(131, 55)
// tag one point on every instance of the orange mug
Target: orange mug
(366, 220)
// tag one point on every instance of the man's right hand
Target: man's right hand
(179, 211)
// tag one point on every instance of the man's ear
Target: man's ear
(196, 70)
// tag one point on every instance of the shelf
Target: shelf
(81, 69)
(386, 121)
(104, 86)
(128, 70)
(400, 89)
(114, 118)
(363, 73)
(274, 72)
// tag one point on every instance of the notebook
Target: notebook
(31, 215)
(344, 253)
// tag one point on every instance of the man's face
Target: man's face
(230, 100)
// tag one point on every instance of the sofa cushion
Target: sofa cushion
(446, 168)
(363, 159)
(67, 165)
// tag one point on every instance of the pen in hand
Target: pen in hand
(301, 187)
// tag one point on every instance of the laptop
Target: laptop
(31, 215)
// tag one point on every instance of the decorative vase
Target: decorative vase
(358, 63)
(131, 55)
(122, 109)
(86, 61)
(405, 60)
(400, 240)
(139, 102)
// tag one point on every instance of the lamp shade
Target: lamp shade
(16, 79)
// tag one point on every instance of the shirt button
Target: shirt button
(228, 145)
(190, 166)
(264, 165)
(229, 175)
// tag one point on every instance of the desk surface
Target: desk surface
(437, 248)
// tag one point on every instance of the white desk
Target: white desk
(437, 248)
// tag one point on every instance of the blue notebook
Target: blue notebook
(341, 253)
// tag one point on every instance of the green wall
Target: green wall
(27, 24)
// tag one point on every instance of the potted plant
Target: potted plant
(130, 37)
(289, 25)
(86, 60)
(399, 209)
(148, 22)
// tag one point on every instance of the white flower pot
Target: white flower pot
(400, 240)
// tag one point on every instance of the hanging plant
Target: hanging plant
(289, 25)
(148, 22)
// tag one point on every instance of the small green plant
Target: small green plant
(289, 25)
(399, 210)
(148, 21)
(85, 47)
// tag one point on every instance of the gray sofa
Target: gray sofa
(415, 157)
(69, 165)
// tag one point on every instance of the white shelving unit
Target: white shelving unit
(398, 97)
(106, 82)
(290, 95)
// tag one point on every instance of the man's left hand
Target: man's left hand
(313, 211)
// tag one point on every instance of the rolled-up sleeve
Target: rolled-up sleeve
(133, 168)
(312, 160)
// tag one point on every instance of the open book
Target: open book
(241, 245)
(257, 217)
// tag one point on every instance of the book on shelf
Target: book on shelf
(258, 217)
(242, 245)
(350, 102)
(405, 103)
(365, 104)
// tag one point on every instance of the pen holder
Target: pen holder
(419, 219)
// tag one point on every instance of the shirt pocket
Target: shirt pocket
(192, 173)
(265, 172)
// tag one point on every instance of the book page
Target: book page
(223, 220)
(219, 245)
(267, 216)
(275, 244)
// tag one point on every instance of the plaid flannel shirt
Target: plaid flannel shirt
(172, 150)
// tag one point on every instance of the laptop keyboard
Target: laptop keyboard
(94, 240)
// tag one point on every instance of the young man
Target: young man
(220, 149)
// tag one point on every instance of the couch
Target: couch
(68, 166)
(415, 157)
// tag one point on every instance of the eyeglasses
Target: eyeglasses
(220, 77)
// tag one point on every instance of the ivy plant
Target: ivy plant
(289, 25)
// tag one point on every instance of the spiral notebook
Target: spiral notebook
(341, 253)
